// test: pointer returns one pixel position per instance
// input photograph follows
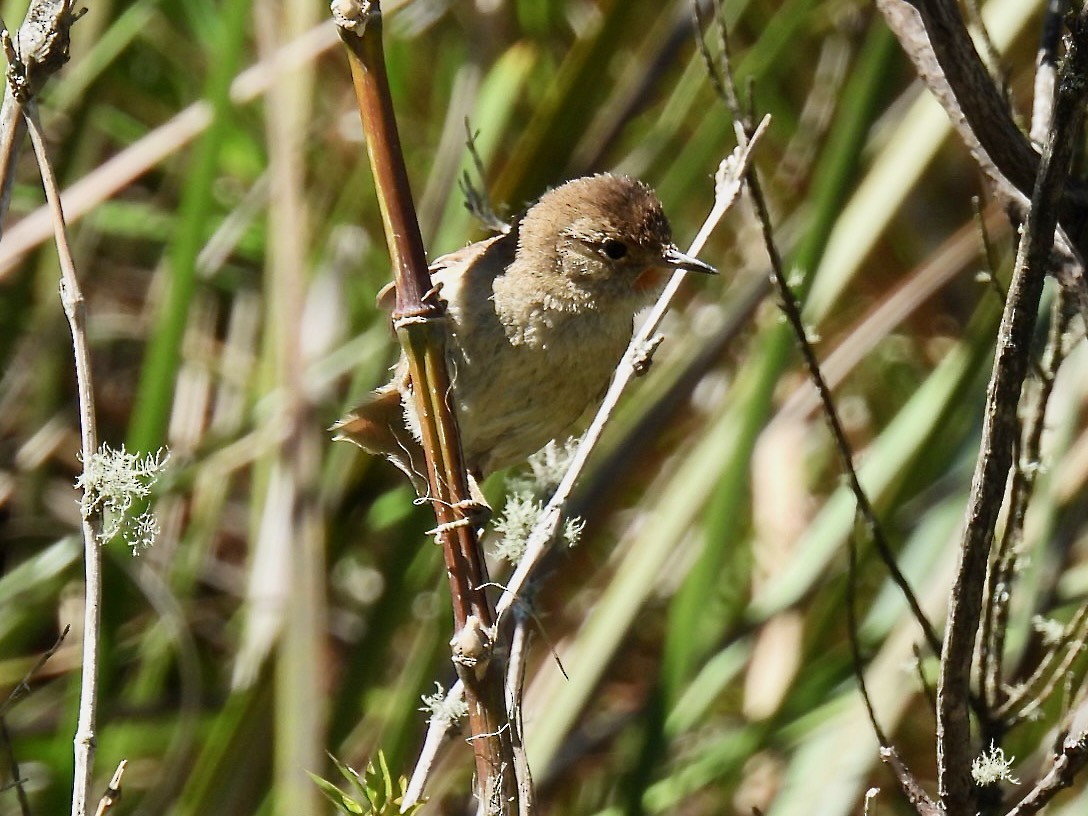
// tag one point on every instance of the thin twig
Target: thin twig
(993, 56)
(477, 201)
(1073, 758)
(113, 792)
(1029, 696)
(927, 688)
(36, 51)
(76, 312)
(914, 792)
(854, 636)
(439, 731)
(792, 310)
(22, 688)
(1070, 270)
(1003, 564)
(17, 780)
(515, 693)
(999, 435)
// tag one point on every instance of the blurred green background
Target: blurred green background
(229, 244)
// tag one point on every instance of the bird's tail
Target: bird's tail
(378, 426)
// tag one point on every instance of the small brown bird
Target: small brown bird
(538, 319)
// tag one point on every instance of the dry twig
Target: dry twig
(37, 51)
(113, 793)
(1072, 759)
(1000, 433)
(419, 318)
(75, 310)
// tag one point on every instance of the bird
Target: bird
(538, 318)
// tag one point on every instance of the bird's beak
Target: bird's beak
(675, 259)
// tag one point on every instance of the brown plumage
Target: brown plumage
(538, 319)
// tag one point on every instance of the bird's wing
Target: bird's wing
(447, 267)
(453, 264)
(378, 426)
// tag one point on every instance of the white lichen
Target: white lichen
(572, 530)
(525, 500)
(549, 465)
(519, 515)
(113, 482)
(1051, 631)
(442, 707)
(991, 767)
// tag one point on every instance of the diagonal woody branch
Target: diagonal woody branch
(934, 36)
(1000, 429)
(419, 318)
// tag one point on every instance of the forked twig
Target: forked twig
(1000, 432)
(1071, 760)
(1018, 707)
(1006, 556)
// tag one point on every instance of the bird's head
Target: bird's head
(606, 232)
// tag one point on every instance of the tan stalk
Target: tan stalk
(419, 318)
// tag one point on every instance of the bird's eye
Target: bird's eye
(615, 249)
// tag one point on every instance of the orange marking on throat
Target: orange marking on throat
(652, 277)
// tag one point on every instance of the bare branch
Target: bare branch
(1033, 693)
(419, 318)
(37, 51)
(933, 35)
(914, 792)
(75, 310)
(1071, 760)
(999, 585)
(999, 435)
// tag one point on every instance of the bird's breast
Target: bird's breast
(524, 377)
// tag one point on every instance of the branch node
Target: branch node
(353, 15)
(473, 646)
